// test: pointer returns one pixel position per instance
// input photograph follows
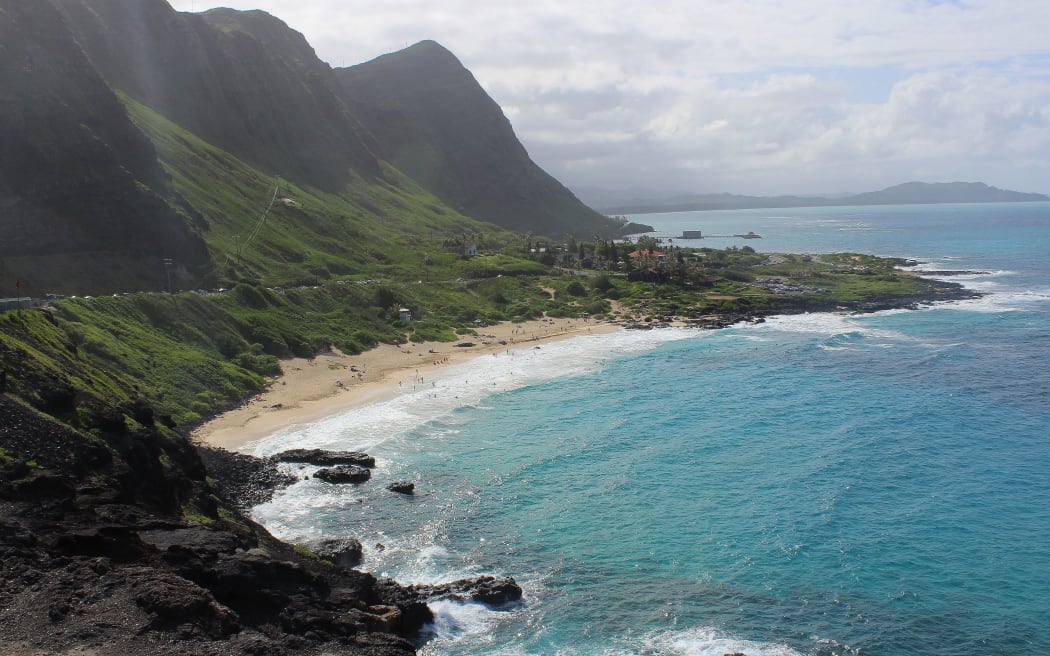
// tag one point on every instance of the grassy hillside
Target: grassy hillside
(233, 118)
(262, 228)
(323, 261)
(189, 355)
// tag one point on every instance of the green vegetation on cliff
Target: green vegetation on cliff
(188, 356)
(262, 228)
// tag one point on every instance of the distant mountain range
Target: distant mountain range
(641, 202)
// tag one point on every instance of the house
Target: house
(404, 315)
(659, 256)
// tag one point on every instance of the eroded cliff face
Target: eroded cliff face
(80, 186)
(241, 80)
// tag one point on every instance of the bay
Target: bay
(817, 484)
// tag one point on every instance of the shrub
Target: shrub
(596, 307)
(250, 296)
(264, 365)
(271, 340)
(601, 283)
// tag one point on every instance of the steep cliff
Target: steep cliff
(80, 187)
(432, 120)
(230, 112)
(242, 81)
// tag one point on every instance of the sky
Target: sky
(742, 96)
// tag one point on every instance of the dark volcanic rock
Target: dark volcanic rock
(486, 589)
(133, 577)
(345, 553)
(175, 601)
(344, 474)
(323, 458)
(402, 487)
(243, 480)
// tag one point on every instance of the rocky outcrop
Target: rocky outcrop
(402, 487)
(485, 589)
(116, 544)
(243, 480)
(343, 474)
(171, 600)
(346, 553)
(246, 481)
(323, 458)
(488, 590)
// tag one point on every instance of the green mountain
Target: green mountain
(145, 148)
(432, 120)
(80, 187)
(242, 81)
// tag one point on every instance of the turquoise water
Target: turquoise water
(818, 484)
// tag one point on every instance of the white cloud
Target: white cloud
(752, 96)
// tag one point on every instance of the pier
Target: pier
(695, 234)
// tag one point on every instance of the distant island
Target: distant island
(903, 194)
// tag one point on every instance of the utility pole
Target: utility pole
(168, 264)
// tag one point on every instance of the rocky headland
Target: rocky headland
(117, 544)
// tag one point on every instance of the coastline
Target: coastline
(330, 383)
(311, 389)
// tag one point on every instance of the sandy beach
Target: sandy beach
(311, 389)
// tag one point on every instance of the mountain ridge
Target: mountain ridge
(906, 193)
(434, 122)
(119, 217)
(243, 81)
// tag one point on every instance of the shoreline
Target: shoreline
(311, 389)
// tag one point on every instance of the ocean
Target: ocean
(817, 484)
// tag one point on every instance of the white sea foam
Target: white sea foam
(456, 621)
(998, 302)
(1000, 293)
(471, 624)
(709, 642)
(829, 324)
(289, 516)
(459, 623)
(465, 385)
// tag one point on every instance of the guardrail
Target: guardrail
(21, 303)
